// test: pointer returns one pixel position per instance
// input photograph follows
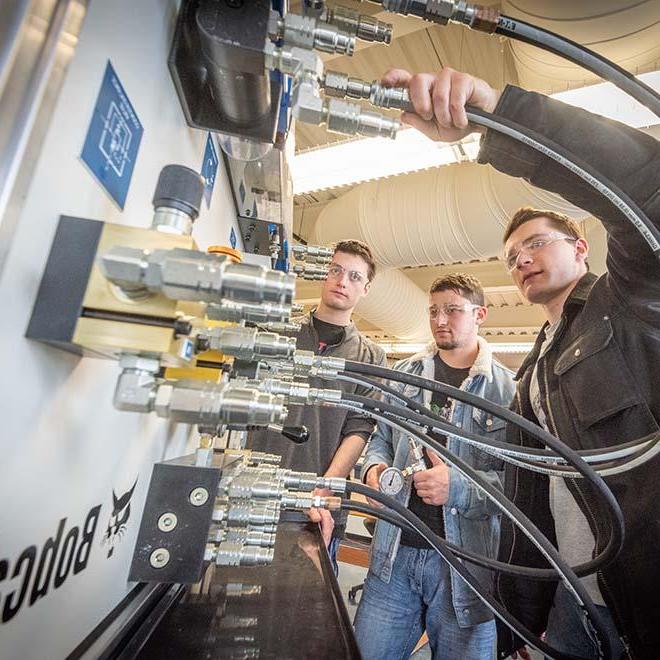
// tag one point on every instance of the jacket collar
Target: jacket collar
(482, 366)
(577, 298)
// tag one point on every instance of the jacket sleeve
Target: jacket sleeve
(356, 423)
(469, 500)
(627, 157)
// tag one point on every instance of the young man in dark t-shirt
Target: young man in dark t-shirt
(410, 588)
(337, 436)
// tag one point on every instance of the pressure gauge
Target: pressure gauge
(391, 481)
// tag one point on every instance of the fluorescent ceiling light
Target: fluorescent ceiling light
(374, 158)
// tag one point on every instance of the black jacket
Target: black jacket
(599, 381)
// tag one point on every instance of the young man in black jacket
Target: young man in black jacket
(590, 378)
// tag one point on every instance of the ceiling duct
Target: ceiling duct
(624, 31)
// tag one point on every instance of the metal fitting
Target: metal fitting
(297, 308)
(248, 486)
(339, 116)
(236, 554)
(243, 535)
(310, 272)
(211, 404)
(341, 85)
(279, 326)
(250, 344)
(244, 514)
(293, 61)
(360, 25)
(235, 312)
(136, 388)
(181, 274)
(309, 32)
(304, 501)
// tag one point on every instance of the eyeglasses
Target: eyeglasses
(337, 272)
(532, 245)
(450, 311)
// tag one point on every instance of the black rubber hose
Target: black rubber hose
(615, 515)
(608, 189)
(584, 57)
(586, 568)
(443, 424)
(497, 608)
(542, 574)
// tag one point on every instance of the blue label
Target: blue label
(232, 238)
(113, 138)
(209, 169)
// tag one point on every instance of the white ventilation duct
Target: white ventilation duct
(625, 32)
(439, 216)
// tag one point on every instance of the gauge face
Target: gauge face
(391, 481)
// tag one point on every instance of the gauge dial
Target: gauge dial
(391, 481)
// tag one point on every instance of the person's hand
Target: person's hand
(522, 653)
(439, 100)
(323, 517)
(432, 485)
(373, 475)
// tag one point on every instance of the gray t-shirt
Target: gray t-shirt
(574, 537)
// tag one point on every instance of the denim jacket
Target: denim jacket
(471, 520)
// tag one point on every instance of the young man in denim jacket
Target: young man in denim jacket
(410, 588)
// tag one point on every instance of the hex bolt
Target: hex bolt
(167, 522)
(159, 558)
(199, 496)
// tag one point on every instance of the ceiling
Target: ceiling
(625, 31)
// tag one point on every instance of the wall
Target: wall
(63, 446)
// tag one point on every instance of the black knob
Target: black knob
(297, 434)
(179, 188)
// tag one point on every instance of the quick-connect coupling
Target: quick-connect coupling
(230, 553)
(344, 117)
(210, 405)
(310, 272)
(235, 312)
(478, 17)
(244, 514)
(360, 25)
(313, 253)
(250, 344)
(243, 535)
(304, 501)
(248, 486)
(181, 274)
(310, 32)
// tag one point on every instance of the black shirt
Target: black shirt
(329, 333)
(428, 513)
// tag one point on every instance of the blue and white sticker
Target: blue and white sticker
(209, 169)
(113, 138)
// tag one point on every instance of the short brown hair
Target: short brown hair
(361, 250)
(558, 221)
(464, 285)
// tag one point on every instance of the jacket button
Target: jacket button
(489, 422)
(577, 352)
(606, 318)
(458, 424)
(466, 610)
(453, 511)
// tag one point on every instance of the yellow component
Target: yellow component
(235, 255)
(193, 373)
(103, 295)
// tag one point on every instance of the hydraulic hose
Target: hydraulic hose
(584, 57)
(376, 409)
(611, 505)
(499, 610)
(504, 450)
(577, 166)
